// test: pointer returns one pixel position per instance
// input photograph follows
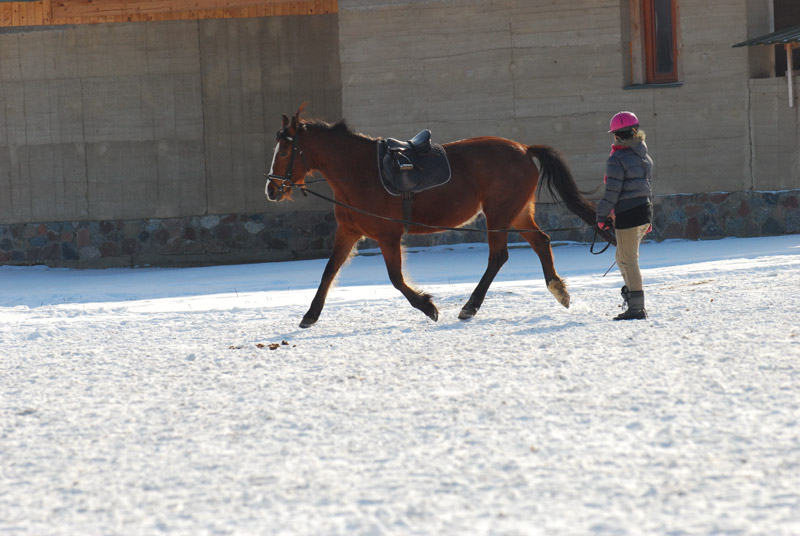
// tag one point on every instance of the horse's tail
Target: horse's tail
(554, 173)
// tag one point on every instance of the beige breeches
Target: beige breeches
(628, 241)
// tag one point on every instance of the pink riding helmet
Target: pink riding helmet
(623, 120)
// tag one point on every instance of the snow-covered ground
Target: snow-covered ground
(148, 401)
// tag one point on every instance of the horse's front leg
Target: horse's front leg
(393, 257)
(498, 255)
(342, 247)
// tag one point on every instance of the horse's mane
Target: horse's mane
(340, 128)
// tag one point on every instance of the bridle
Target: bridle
(284, 182)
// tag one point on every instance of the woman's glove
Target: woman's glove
(606, 224)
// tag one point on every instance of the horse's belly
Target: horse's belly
(446, 207)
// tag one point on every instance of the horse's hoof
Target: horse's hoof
(559, 290)
(467, 312)
(432, 312)
(307, 322)
(429, 308)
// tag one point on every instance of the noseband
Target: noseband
(284, 182)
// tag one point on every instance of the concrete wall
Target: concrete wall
(535, 71)
(154, 120)
(775, 151)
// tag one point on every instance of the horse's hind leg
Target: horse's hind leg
(540, 242)
(498, 255)
(393, 257)
(343, 244)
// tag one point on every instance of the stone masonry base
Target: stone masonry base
(237, 238)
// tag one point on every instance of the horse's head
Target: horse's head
(288, 167)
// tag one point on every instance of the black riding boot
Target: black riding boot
(635, 303)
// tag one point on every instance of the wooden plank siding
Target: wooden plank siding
(61, 12)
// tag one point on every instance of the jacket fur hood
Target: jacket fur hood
(636, 143)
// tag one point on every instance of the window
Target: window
(653, 41)
(661, 52)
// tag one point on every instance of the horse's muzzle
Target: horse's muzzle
(272, 192)
(275, 189)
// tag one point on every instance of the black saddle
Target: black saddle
(421, 143)
(412, 166)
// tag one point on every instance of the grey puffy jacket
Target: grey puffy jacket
(628, 176)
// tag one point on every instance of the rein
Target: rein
(425, 225)
(591, 248)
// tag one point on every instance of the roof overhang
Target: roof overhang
(786, 36)
(789, 38)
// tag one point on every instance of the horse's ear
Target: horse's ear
(301, 109)
(284, 121)
(295, 124)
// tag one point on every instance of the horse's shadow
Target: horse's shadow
(550, 328)
(534, 326)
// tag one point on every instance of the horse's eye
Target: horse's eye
(283, 154)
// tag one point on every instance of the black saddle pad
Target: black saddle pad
(431, 169)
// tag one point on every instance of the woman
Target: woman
(627, 205)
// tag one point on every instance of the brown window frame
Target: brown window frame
(652, 45)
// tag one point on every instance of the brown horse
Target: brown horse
(491, 175)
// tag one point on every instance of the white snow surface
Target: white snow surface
(148, 401)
